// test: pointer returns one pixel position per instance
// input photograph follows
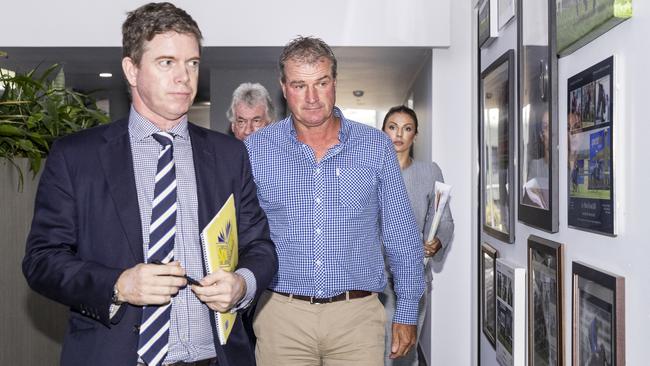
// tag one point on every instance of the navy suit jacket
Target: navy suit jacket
(86, 231)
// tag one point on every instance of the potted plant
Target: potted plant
(37, 108)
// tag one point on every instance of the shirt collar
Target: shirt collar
(141, 128)
(344, 131)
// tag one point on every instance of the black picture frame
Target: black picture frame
(537, 194)
(590, 163)
(580, 22)
(545, 302)
(598, 322)
(487, 22)
(497, 135)
(488, 293)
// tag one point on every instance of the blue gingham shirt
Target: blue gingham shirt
(329, 218)
(190, 333)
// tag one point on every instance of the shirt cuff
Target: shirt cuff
(112, 310)
(406, 312)
(251, 289)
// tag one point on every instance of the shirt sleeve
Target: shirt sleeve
(401, 238)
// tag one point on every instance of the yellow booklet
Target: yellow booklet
(221, 250)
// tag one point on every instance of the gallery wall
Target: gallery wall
(627, 253)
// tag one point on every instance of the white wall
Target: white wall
(627, 254)
(453, 305)
(236, 23)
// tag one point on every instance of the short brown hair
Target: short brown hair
(149, 20)
(306, 50)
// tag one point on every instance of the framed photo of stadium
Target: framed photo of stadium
(581, 21)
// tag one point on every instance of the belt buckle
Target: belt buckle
(315, 300)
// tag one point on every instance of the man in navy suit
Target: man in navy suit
(91, 245)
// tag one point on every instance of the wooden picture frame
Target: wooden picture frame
(598, 323)
(537, 195)
(580, 22)
(488, 301)
(497, 131)
(511, 314)
(545, 302)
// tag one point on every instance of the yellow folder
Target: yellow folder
(221, 250)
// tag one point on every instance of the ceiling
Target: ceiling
(385, 74)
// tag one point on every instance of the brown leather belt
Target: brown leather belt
(352, 294)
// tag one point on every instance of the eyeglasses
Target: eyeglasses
(256, 122)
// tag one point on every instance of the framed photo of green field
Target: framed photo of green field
(598, 326)
(497, 131)
(511, 314)
(590, 163)
(581, 21)
(538, 123)
(545, 302)
(488, 311)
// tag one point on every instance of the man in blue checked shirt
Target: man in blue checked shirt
(331, 190)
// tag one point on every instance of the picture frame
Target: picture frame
(511, 313)
(590, 164)
(598, 323)
(497, 148)
(488, 28)
(580, 22)
(545, 302)
(488, 313)
(506, 9)
(537, 196)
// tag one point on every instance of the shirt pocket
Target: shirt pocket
(357, 186)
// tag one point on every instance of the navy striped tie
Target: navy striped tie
(154, 330)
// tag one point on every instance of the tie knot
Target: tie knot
(163, 138)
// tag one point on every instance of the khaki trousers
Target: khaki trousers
(294, 332)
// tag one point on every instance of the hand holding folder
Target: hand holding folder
(221, 253)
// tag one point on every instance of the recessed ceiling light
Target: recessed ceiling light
(105, 75)
(358, 93)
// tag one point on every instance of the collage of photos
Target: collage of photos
(590, 168)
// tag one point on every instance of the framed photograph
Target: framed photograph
(590, 157)
(497, 148)
(511, 314)
(488, 263)
(598, 317)
(506, 10)
(538, 159)
(545, 303)
(580, 22)
(488, 28)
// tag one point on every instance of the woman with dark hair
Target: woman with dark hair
(401, 125)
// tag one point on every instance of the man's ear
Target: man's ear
(130, 70)
(232, 127)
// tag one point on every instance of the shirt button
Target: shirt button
(318, 231)
(318, 262)
(317, 199)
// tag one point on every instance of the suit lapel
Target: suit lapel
(205, 170)
(117, 163)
